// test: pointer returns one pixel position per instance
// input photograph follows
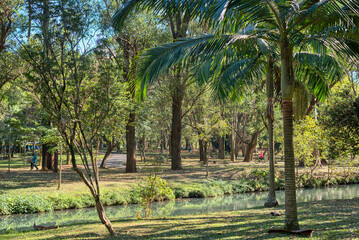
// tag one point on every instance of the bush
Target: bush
(24, 204)
(151, 189)
(199, 193)
(62, 201)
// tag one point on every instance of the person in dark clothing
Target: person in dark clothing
(33, 162)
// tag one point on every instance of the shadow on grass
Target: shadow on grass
(29, 179)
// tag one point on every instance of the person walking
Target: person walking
(33, 162)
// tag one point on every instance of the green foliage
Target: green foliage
(340, 119)
(300, 100)
(153, 188)
(24, 204)
(212, 187)
(310, 142)
(62, 201)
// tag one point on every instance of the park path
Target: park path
(115, 160)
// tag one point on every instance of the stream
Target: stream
(178, 207)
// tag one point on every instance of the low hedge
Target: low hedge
(24, 204)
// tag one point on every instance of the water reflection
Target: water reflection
(174, 208)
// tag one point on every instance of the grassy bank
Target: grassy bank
(335, 219)
(257, 180)
(24, 191)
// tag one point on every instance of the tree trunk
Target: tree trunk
(291, 221)
(67, 157)
(248, 157)
(233, 146)
(102, 215)
(110, 147)
(101, 145)
(221, 150)
(55, 158)
(176, 131)
(44, 164)
(201, 151)
(143, 147)
(131, 144)
(187, 144)
(162, 142)
(60, 172)
(104, 160)
(49, 161)
(45, 25)
(205, 145)
(271, 200)
(287, 88)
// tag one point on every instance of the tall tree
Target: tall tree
(62, 76)
(8, 62)
(141, 31)
(285, 24)
(179, 19)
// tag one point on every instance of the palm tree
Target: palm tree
(287, 25)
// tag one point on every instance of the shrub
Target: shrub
(151, 189)
(24, 204)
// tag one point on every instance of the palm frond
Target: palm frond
(318, 71)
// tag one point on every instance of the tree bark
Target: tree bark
(221, 150)
(143, 147)
(287, 88)
(131, 144)
(201, 151)
(102, 215)
(111, 145)
(187, 144)
(205, 146)
(271, 200)
(177, 99)
(291, 221)
(248, 157)
(55, 158)
(233, 146)
(50, 161)
(44, 152)
(67, 157)
(104, 160)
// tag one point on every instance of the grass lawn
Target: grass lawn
(330, 220)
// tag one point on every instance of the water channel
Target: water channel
(173, 208)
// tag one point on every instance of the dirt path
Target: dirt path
(115, 160)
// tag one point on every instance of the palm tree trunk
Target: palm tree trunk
(291, 221)
(287, 87)
(271, 200)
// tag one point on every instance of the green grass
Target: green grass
(335, 219)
